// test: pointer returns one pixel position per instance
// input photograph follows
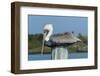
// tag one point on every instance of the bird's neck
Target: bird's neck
(47, 38)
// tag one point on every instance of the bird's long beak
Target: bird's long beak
(44, 35)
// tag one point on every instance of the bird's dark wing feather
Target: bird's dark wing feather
(62, 40)
(50, 43)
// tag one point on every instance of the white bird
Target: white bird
(57, 41)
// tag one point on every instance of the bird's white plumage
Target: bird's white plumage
(48, 27)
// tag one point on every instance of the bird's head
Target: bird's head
(47, 31)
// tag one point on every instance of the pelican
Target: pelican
(57, 42)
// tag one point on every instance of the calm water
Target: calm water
(48, 56)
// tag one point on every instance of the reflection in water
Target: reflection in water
(48, 56)
(59, 53)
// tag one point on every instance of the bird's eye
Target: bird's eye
(46, 31)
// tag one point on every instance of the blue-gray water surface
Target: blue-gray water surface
(79, 55)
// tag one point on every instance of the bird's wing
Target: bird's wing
(65, 38)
